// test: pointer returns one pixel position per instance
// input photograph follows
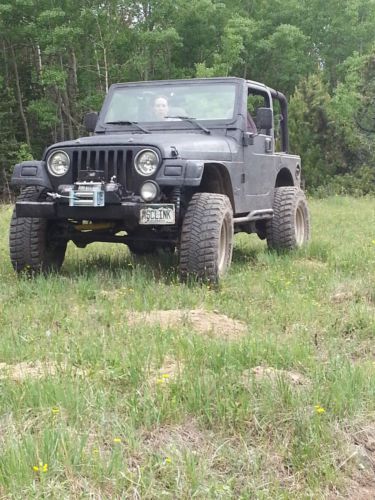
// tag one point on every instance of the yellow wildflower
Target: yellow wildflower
(41, 468)
(160, 381)
(168, 460)
(117, 440)
(165, 375)
(55, 410)
(319, 409)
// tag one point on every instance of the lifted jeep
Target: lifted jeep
(187, 176)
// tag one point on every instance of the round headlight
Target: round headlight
(58, 163)
(149, 190)
(146, 162)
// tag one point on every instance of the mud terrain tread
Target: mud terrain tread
(200, 235)
(281, 230)
(27, 240)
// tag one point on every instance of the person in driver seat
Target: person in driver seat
(160, 108)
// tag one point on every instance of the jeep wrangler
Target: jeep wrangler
(187, 177)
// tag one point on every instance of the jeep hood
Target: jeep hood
(194, 146)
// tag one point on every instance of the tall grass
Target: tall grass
(109, 423)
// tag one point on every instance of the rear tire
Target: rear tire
(206, 244)
(290, 226)
(33, 249)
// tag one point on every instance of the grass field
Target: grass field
(100, 402)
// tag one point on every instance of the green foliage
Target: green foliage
(284, 57)
(311, 129)
(44, 111)
(46, 16)
(24, 153)
(325, 131)
(92, 102)
(58, 58)
(53, 77)
(360, 183)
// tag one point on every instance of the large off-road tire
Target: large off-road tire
(290, 226)
(32, 242)
(206, 242)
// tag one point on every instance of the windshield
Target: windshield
(157, 103)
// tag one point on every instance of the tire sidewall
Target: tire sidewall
(227, 221)
(301, 207)
(206, 241)
(290, 206)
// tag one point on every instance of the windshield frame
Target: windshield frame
(173, 125)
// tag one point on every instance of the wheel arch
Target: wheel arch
(216, 179)
(284, 178)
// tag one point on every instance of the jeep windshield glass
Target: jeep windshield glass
(122, 122)
(173, 103)
(190, 120)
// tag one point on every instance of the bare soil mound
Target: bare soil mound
(33, 369)
(178, 437)
(273, 374)
(204, 322)
(168, 371)
(360, 463)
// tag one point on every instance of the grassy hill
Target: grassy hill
(264, 388)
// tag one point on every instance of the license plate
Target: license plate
(157, 214)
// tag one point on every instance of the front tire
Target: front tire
(32, 242)
(206, 244)
(290, 226)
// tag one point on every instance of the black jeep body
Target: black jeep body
(186, 180)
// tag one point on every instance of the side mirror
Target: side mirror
(90, 121)
(264, 118)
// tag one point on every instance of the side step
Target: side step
(254, 216)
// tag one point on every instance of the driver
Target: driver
(160, 107)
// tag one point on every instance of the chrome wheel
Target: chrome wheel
(223, 247)
(300, 226)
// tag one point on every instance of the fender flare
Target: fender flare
(30, 173)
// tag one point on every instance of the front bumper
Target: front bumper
(126, 211)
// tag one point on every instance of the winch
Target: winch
(86, 194)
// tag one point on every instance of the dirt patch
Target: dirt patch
(365, 438)
(313, 264)
(341, 297)
(360, 492)
(352, 292)
(168, 371)
(360, 463)
(212, 324)
(34, 370)
(364, 352)
(260, 373)
(187, 436)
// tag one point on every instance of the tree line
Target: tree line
(58, 58)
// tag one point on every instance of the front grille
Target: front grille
(112, 161)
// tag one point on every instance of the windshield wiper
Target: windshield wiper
(191, 120)
(120, 122)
